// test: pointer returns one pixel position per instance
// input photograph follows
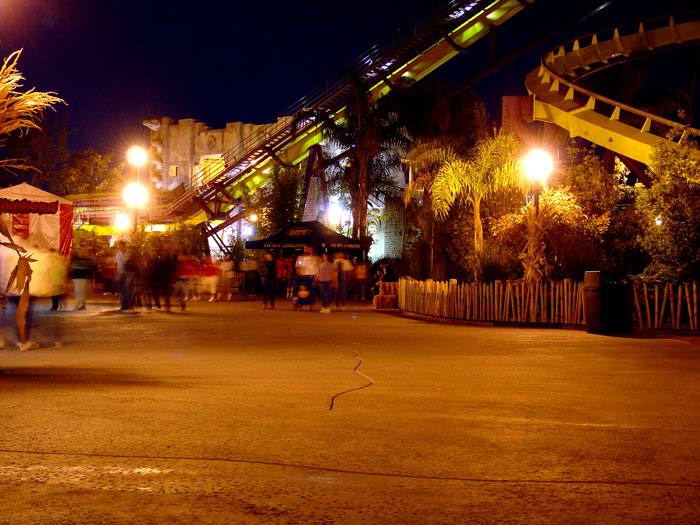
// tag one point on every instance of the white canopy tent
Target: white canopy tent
(41, 223)
(37, 218)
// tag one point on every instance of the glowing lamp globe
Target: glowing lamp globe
(538, 165)
(136, 156)
(122, 222)
(135, 195)
(335, 213)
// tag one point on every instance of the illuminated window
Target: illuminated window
(173, 171)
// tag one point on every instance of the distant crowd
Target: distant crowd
(156, 279)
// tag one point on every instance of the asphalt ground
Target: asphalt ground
(221, 414)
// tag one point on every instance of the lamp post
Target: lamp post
(136, 195)
(537, 166)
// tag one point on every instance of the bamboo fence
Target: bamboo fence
(670, 306)
(505, 301)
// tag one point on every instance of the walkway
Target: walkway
(221, 415)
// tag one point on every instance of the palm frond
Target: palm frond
(20, 110)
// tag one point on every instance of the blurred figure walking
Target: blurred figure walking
(326, 279)
(343, 269)
(270, 282)
(81, 270)
(127, 267)
(57, 276)
(361, 275)
(162, 273)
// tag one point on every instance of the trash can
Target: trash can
(607, 303)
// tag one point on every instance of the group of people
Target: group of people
(330, 277)
(150, 279)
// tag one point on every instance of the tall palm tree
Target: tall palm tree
(448, 172)
(369, 133)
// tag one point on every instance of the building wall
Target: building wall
(393, 230)
(176, 149)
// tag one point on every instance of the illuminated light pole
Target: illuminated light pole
(136, 155)
(253, 217)
(122, 222)
(136, 195)
(537, 165)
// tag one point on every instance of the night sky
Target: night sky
(117, 63)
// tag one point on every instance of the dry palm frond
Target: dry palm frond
(15, 164)
(20, 110)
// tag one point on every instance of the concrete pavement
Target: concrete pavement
(221, 414)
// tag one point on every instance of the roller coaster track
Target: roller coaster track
(628, 131)
(416, 51)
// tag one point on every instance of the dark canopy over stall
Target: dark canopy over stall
(301, 234)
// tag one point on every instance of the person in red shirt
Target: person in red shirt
(281, 271)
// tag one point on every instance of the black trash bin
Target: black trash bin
(608, 303)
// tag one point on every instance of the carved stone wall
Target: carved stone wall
(176, 149)
(393, 229)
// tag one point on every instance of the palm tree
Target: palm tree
(19, 111)
(370, 133)
(448, 172)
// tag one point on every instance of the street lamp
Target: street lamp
(122, 222)
(136, 195)
(537, 165)
(136, 155)
(335, 214)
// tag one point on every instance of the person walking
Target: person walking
(162, 274)
(270, 282)
(57, 275)
(227, 266)
(80, 272)
(290, 275)
(326, 279)
(343, 268)
(127, 267)
(361, 275)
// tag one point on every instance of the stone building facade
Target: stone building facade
(179, 150)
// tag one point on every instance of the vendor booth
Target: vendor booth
(36, 218)
(312, 233)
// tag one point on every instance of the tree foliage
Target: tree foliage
(670, 215)
(450, 173)
(560, 241)
(278, 203)
(370, 133)
(88, 172)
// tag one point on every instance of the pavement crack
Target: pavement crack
(356, 370)
(687, 484)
